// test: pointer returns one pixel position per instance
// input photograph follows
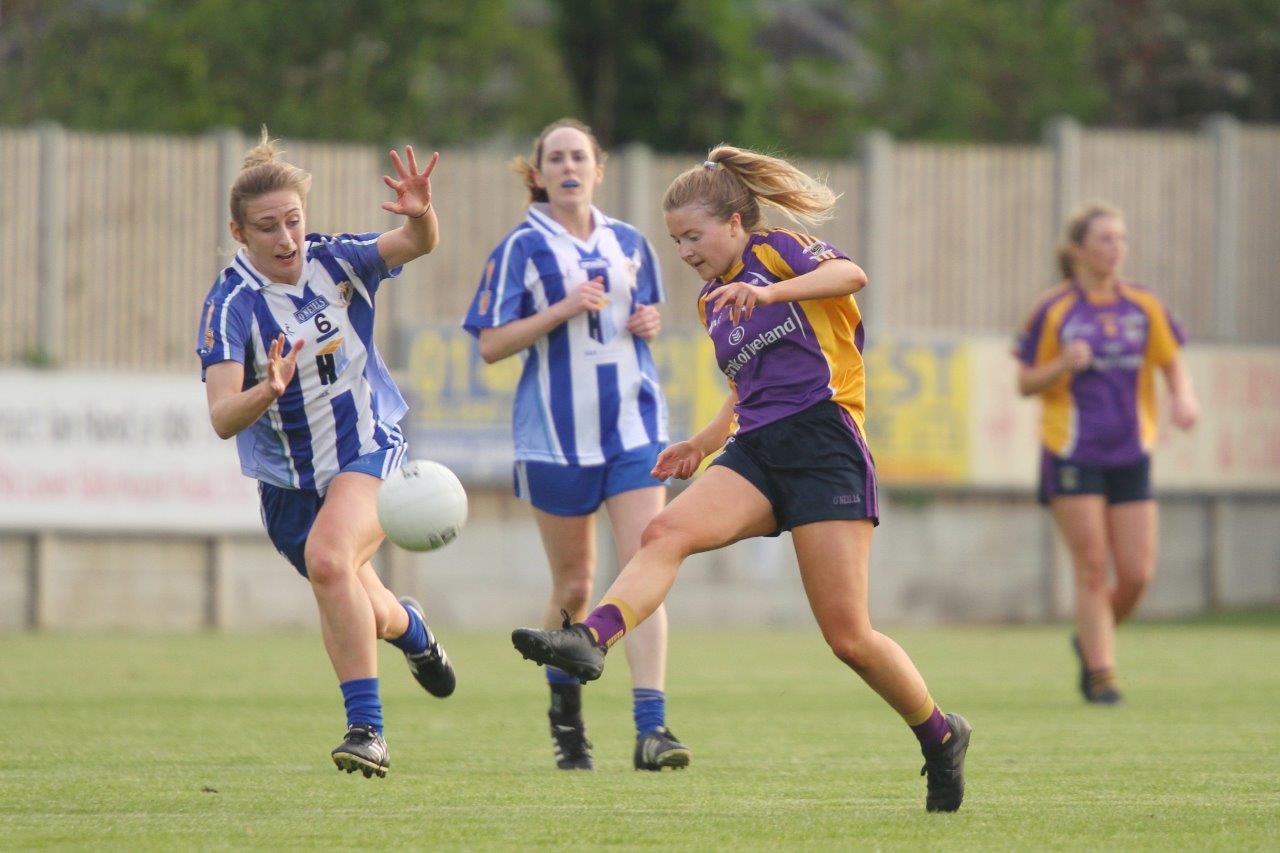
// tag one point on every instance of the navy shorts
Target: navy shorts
(289, 513)
(811, 466)
(570, 490)
(1118, 484)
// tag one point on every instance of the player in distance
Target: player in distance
(1089, 351)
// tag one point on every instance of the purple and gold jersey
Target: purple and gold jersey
(1105, 415)
(789, 355)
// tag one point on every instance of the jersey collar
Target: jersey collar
(540, 218)
(257, 279)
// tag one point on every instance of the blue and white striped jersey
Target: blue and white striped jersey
(342, 402)
(589, 390)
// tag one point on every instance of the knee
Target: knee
(661, 531)
(855, 649)
(1136, 578)
(326, 566)
(1091, 571)
(573, 593)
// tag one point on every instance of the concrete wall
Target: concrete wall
(936, 558)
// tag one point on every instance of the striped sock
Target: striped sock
(610, 621)
(649, 708)
(929, 725)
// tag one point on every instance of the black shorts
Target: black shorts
(1118, 484)
(811, 466)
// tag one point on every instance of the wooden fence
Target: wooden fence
(108, 242)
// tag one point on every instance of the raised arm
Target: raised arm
(420, 232)
(231, 409)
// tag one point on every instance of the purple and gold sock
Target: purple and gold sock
(610, 621)
(929, 726)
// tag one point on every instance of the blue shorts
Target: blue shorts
(1118, 484)
(580, 489)
(289, 513)
(811, 466)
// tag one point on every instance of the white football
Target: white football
(422, 506)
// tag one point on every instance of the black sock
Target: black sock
(566, 701)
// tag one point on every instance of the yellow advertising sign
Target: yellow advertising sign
(917, 411)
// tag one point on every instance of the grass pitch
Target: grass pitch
(222, 741)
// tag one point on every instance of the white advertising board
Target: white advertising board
(118, 452)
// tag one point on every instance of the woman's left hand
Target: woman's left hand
(742, 299)
(645, 322)
(413, 190)
(1186, 411)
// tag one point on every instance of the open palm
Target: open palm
(413, 189)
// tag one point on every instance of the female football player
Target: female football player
(572, 292)
(290, 368)
(780, 311)
(1089, 351)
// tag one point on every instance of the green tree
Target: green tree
(364, 70)
(980, 69)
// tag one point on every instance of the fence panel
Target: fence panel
(139, 248)
(971, 235)
(1164, 184)
(19, 236)
(1258, 301)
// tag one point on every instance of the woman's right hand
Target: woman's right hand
(679, 460)
(281, 367)
(1077, 356)
(588, 296)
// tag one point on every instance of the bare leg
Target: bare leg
(570, 544)
(646, 644)
(343, 538)
(834, 557)
(1082, 520)
(719, 508)
(389, 617)
(1131, 528)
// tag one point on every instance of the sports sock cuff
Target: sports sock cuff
(628, 615)
(924, 712)
(414, 640)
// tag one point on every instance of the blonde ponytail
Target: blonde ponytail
(736, 180)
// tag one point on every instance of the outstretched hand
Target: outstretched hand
(281, 367)
(679, 460)
(413, 189)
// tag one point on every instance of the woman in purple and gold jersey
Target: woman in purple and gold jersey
(1089, 350)
(779, 308)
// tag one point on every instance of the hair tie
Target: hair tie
(710, 165)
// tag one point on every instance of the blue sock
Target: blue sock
(363, 705)
(414, 640)
(650, 709)
(559, 676)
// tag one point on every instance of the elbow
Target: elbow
(489, 353)
(223, 430)
(858, 280)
